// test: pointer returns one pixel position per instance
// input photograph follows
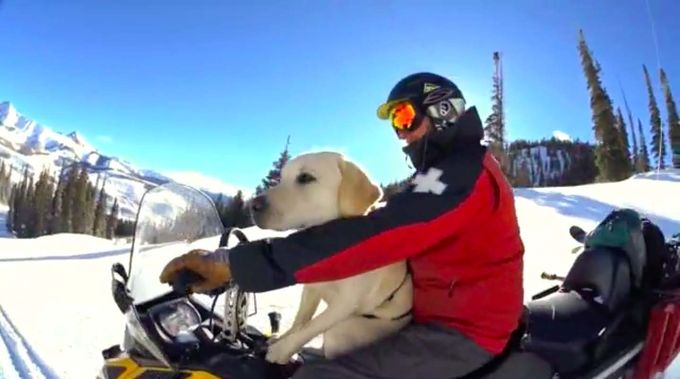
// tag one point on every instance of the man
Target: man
(455, 224)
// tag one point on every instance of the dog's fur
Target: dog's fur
(316, 188)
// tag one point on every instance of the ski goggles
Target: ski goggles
(404, 116)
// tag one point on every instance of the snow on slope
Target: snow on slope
(29, 137)
(545, 214)
(56, 289)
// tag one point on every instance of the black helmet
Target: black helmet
(430, 94)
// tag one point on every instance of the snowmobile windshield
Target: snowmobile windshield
(172, 220)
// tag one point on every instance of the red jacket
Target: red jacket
(455, 224)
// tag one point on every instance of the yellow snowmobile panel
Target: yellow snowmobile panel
(127, 368)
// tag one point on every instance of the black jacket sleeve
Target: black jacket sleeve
(409, 224)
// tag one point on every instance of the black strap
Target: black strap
(389, 298)
(405, 314)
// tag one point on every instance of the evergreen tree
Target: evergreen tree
(643, 156)
(4, 182)
(112, 220)
(56, 214)
(19, 206)
(673, 120)
(7, 184)
(17, 202)
(621, 125)
(636, 151)
(67, 201)
(610, 157)
(11, 213)
(80, 203)
(236, 213)
(99, 224)
(28, 210)
(494, 128)
(274, 175)
(90, 206)
(523, 176)
(10, 217)
(124, 228)
(220, 207)
(658, 144)
(42, 203)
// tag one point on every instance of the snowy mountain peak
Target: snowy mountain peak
(80, 140)
(8, 114)
(28, 137)
(27, 143)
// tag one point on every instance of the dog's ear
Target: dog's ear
(356, 193)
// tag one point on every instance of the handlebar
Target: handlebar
(184, 280)
(545, 275)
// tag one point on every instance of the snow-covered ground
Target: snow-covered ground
(57, 314)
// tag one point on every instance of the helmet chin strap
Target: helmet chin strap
(407, 160)
(423, 160)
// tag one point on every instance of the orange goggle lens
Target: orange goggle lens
(402, 116)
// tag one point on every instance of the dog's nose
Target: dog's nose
(258, 204)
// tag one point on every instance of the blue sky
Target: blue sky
(216, 86)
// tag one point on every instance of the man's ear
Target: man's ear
(356, 193)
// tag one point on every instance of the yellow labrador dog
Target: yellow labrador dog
(316, 188)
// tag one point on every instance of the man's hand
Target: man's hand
(215, 272)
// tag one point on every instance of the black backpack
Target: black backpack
(642, 241)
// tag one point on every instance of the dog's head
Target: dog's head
(315, 188)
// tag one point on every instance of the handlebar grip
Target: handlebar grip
(183, 281)
(548, 276)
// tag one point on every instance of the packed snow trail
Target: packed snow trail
(17, 357)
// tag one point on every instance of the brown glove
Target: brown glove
(215, 272)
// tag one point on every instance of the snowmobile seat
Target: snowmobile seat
(564, 327)
(561, 327)
(514, 363)
(520, 365)
(601, 275)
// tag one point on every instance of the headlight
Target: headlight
(139, 334)
(177, 317)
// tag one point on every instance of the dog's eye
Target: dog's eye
(305, 178)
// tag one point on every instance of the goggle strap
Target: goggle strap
(447, 110)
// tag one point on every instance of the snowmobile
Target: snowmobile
(601, 322)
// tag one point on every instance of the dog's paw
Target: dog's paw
(281, 351)
(273, 339)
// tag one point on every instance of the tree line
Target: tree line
(235, 212)
(620, 148)
(74, 205)
(71, 205)
(5, 180)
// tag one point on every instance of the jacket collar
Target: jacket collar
(463, 136)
